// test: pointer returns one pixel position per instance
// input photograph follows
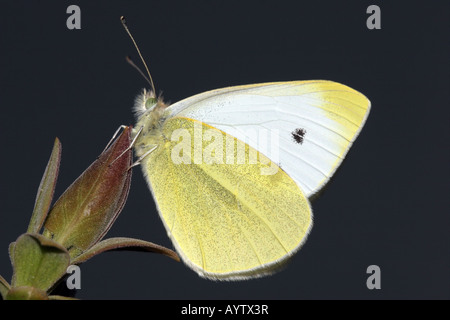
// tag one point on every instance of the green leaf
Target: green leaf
(4, 287)
(124, 243)
(88, 208)
(46, 190)
(38, 262)
(57, 297)
(26, 293)
(11, 252)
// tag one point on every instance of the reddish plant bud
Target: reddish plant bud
(87, 209)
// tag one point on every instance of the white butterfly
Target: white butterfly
(228, 220)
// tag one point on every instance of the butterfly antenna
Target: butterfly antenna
(131, 62)
(149, 79)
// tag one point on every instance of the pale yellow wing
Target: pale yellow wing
(226, 220)
(317, 121)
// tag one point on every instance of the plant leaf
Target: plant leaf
(57, 297)
(11, 252)
(4, 287)
(46, 190)
(26, 293)
(88, 208)
(38, 262)
(124, 244)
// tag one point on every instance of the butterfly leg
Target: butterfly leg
(114, 137)
(138, 161)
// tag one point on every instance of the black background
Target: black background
(388, 205)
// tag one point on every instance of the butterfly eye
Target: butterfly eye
(150, 102)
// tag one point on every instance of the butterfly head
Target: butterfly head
(144, 102)
(149, 111)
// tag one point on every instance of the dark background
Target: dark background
(388, 205)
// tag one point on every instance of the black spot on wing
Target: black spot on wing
(298, 135)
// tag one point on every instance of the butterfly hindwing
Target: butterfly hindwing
(227, 221)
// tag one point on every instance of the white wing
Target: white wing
(316, 123)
